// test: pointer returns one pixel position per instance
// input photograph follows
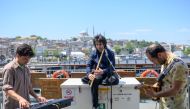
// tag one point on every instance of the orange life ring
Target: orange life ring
(56, 74)
(149, 71)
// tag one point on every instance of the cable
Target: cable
(107, 97)
(56, 105)
(156, 105)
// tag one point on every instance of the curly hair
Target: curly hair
(25, 50)
(100, 38)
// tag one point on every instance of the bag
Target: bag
(111, 80)
(85, 80)
(108, 81)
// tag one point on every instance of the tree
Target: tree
(144, 43)
(186, 51)
(172, 48)
(86, 51)
(74, 39)
(45, 53)
(18, 37)
(40, 38)
(36, 37)
(117, 49)
(56, 53)
(130, 47)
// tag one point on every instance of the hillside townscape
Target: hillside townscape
(79, 47)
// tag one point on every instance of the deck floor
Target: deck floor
(148, 104)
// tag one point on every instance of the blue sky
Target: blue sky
(151, 20)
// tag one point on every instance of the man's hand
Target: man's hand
(150, 92)
(23, 103)
(91, 77)
(98, 72)
(41, 99)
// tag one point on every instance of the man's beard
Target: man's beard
(162, 61)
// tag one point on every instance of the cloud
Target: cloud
(143, 30)
(127, 33)
(135, 32)
(184, 30)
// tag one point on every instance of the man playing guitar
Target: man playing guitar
(173, 78)
(145, 87)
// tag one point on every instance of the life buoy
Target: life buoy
(60, 73)
(149, 71)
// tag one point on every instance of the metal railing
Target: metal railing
(188, 103)
(1, 93)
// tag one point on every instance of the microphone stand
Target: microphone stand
(111, 99)
(113, 67)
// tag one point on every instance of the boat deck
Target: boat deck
(148, 104)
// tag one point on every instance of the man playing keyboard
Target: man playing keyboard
(17, 80)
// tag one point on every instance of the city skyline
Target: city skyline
(163, 21)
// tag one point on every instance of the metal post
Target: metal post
(1, 93)
(188, 103)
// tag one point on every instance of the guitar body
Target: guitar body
(156, 87)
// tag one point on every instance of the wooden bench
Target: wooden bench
(124, 73)
(35, 76)
(78, 74)
(50, 87)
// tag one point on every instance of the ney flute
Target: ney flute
(98, 65)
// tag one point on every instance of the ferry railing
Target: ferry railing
(136, 71)
(188, 98)
(1, 93)
(76, 67)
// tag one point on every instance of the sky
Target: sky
(150, 20)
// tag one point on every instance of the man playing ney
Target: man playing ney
(99, 65)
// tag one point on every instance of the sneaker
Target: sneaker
(96, 107)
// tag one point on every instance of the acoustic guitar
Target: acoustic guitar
(156, 87)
